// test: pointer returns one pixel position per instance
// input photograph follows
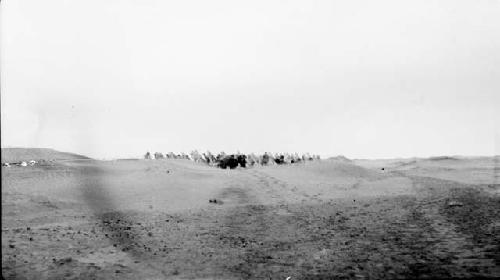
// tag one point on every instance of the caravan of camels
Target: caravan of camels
(232, 161)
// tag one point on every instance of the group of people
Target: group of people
(232, 161)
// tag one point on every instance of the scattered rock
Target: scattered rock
(455, 203)
(64, 260)
(215, 201)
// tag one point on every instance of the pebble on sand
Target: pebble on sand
(454, 203)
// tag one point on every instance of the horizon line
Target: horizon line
(322, 157)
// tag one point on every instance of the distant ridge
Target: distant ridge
(442, 158)
(26, 154)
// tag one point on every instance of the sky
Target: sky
(364, 79)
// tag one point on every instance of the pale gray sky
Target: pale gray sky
(365, 79)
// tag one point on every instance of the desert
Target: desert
(72, 217)
(273, 139)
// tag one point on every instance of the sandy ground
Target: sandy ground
(139, 219)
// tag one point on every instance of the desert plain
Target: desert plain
(71, 217)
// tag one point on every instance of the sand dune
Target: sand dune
(152, 219)
(26, 154)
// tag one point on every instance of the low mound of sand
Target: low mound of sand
(340, 158)
(26, 154)
(342, 169)
(333, 172)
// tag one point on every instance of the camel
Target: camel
(195, 156)
(158, 155)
